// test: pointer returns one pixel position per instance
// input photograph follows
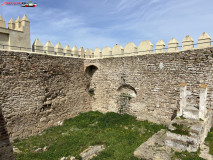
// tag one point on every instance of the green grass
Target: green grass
(121, 134)
(180, 129)
(209, 141)
(187, 155)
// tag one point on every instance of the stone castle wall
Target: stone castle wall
(6, 151)
(153, 82)
(38, 91)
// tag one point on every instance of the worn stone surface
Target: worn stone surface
(6, 150)
(156, 79)
(92, 151)
(154, 148)
(38, 91)
(190, 136)
(205, 152)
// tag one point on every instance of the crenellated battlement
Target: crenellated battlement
(17, 35)
(130, 49)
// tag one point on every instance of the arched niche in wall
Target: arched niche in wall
(126, 94)
(126, 88)
(90, 70)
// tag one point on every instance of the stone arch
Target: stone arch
(127, 88)
(91, 69)
(126, 92)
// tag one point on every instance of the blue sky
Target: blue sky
(100, 23)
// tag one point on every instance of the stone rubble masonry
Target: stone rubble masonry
(156, 79)
(6, 150)
(38, 91)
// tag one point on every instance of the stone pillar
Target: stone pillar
(49, 48)
(106, 52)
(204, 41)
(2, 22)
(145, 47)
(160, 47)
(117, 50)
(67, 51)
(91, 53)
(202, 104)
(87, 53)
(183, 95)
(81, 52)
(59, 49)
(97, 53)
(75, 51)
(187, 43)
(11, 24)
(18, 24)
(130, 49)
(173, 45)
(37, 46)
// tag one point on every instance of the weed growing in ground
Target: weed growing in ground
(209, 141)
(121, 134)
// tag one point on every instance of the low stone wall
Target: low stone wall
(38, 91)
(152, 83)
(6, 151)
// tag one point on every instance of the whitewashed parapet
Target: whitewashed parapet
(2, 22)
(97, 53)
(49, 48)
(37, 46)
(91, 53)
(75, 51)
(59, 50)
(106, 52)
(187, 43)
(67, 51)
(204, 41)
(118, 50)
(130, 49)
(81, 52)
(11, 24)
(87, 53)
(145, 47)
(160, 47)
(173, 45)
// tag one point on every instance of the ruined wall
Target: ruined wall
(6, 151)
(38, 91)
(156, 79)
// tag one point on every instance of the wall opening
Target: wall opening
(126, 94)
(90, 70)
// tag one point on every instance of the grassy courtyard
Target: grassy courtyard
(121, 134)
